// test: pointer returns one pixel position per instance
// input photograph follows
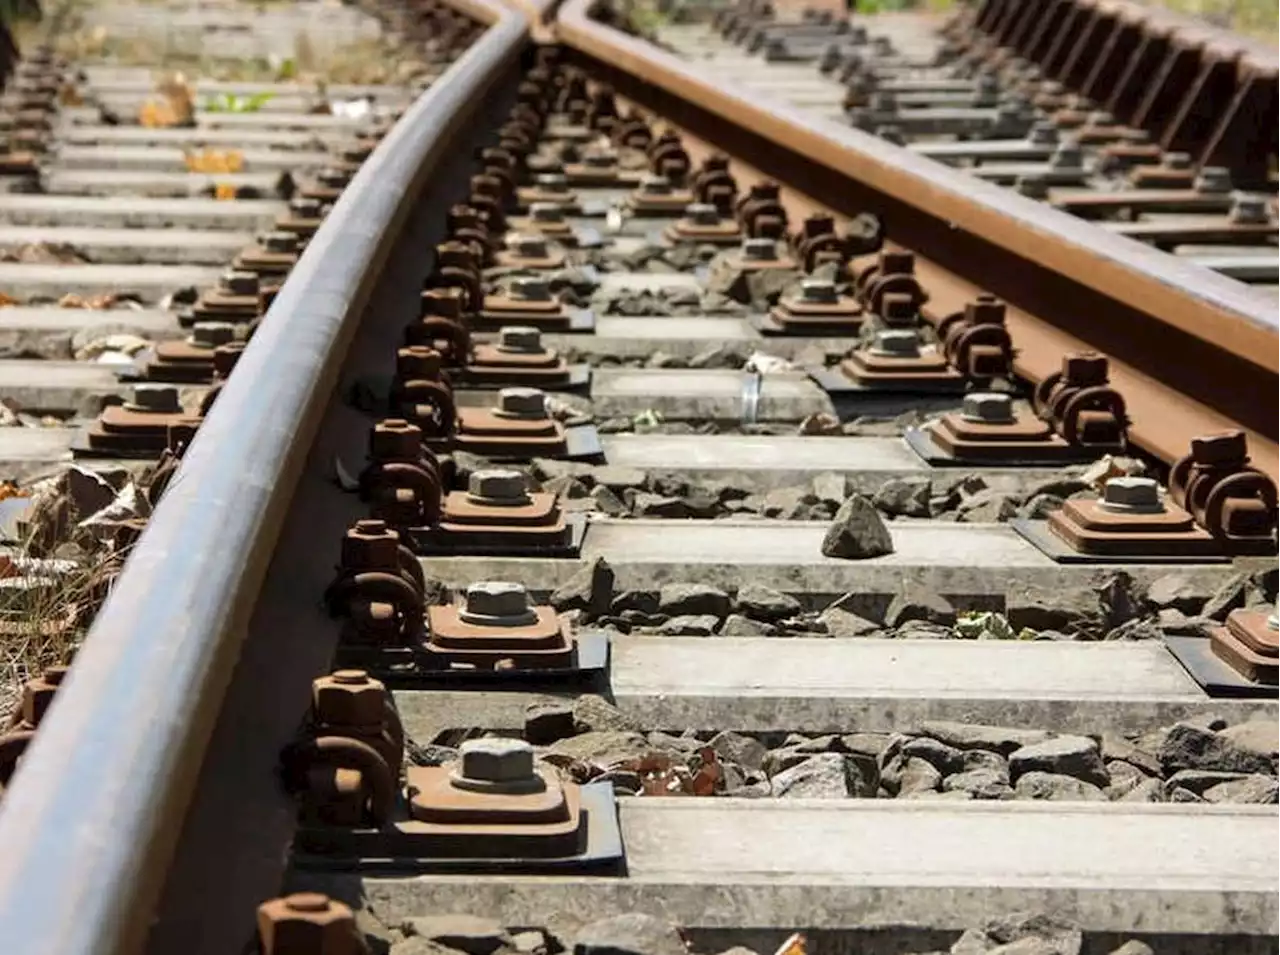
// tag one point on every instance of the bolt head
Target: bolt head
(655, 186)
(305, 922)
(1249, 209)
(162, 399)
(549, 212)
(702, 213)
(523, 402)
(988, 407)
(897, 342)
(305, 208)
(333, 178)
(496, 601)
(241, 283)
(1132, 494)
(496, 760)
(348, 698)
(520, 338)
(281, 243)
(528, 246)
(760, 250)
(819, 291)
(552, 182)
(1213, 179)
(212, 334)
(498, 486)
(529, 288)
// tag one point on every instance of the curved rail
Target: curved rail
(89, 825)
(1070, 287)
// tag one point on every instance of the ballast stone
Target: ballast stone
(857, 532)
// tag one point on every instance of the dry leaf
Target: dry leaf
(224, 191)
(214, 161)
(8, 489)
(795, 945)
(173, 106)
(7, 301)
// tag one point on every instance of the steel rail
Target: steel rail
(1192, 352)
(90, 823)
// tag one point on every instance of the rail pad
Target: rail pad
(602, 852)
(1214, 676)
(425, 541)
(1054, 547)
(402, 668)
(923, 444)
(834, 382)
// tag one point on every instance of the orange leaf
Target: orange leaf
(224, 191)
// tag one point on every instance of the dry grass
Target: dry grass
(1256, 18)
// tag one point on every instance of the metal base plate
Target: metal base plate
(922, 443)
(604, 853)
(579, 379)
(403, 669)
(1214, 676)
(1054, 547)
(80, 450)
(423, 540)
(834, 382)
(839, 327)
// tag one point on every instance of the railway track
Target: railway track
(459, 565)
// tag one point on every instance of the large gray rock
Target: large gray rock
(1260, 737)
(736, 625)
(546, 721)
(683, 599)
(465, 933)
(998, 739)
(946, 759)
(824, 776)
(1254, 788)
(688, 625)
(765, 603)
(1076, 756)
(1075, 610)
(917, 602)
(602, 749)
(1177, 592)
(903, 775)
(980, 783)
(589, 590)
(1193, 747)
(1056, 787)
(592, 713)
(905, 497)
(857, 532)
(844, 624)
(740, 749)
(632, 933)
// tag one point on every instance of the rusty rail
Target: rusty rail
(90, 823)
(1192, 352)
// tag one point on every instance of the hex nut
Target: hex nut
(655, 186)
(241, 283)
(552, 182)
(760, 250)
(1213, 179)
(702, 213)
(988, 407)
(307, 922)
(528, 246)
(281, 243)
(522, 402)
(161, 399)
(819, 291)
(528, 288)
(546, 212)
(897, 342)
(305, 207)
(493, 759)
(1176, 160)
(1247, 209)
(333, 178)
(212, 334)
(498, 603)
(348, 698)
(1132, 494)
(1043, 133)
(520, 338)
(498, 486)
